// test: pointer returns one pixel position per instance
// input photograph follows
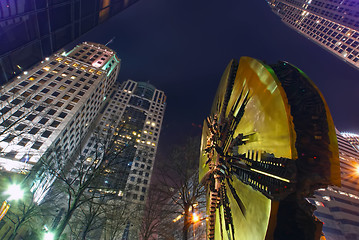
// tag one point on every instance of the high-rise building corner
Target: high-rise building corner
(50, 107)
(333, 25)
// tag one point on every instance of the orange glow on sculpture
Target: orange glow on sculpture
(260, 143)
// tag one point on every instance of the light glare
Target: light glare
(195, 218)
(49, 236)
(15, 192)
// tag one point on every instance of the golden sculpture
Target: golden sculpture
(268, 143)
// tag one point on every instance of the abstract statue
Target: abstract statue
(268, 143)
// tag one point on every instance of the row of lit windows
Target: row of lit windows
(322, 36)
(78, 66)
(340, 192)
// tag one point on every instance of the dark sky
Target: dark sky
(183, 46)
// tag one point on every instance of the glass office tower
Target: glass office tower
(31, 30)
(338, 207)
(332, 24)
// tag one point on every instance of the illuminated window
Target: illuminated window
(59, 59)
(59, 104)
(327, 198)
(47, 68)
(37, 97)
(75, 100)
(49, 100)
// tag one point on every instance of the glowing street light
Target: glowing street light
(14, 192)
(49, 236)
(357, 169)
(195, 218)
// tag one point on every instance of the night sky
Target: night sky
(183, 46)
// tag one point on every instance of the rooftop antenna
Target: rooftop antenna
(111, 40)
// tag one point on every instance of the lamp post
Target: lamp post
(196, 218)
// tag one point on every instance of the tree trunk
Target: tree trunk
(17, 227)
(59, 230)
(14, 233)
(86, 230)
(186, 223)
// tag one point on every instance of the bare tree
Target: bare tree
(88, 220)
(155, 221)
(179, 181)
(81, 179)
(24, 212)
(119, 215)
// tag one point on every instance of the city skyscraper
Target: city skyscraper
(134, 114)
(31, 30)
(51, 106)
(338, 207)
(352, 138)
(334, 25)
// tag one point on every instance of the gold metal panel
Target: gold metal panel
(267, 113)
(268, 124)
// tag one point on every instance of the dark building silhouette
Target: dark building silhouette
(31, 30)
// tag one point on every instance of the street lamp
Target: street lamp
(195, 218)
(14, 192)
(49, 236)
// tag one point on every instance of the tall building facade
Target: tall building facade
(338, 207)
(31, 30)
(352, 138)
(332, 24)
(134, 115)
(51, 106)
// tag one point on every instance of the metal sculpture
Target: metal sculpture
(268, 143)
